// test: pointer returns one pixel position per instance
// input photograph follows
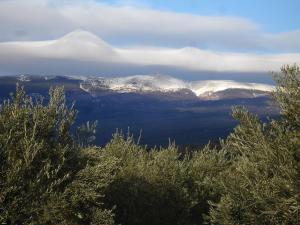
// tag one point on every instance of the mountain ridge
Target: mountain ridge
(165, 83)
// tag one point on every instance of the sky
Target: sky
(192, 39)
(273, 15)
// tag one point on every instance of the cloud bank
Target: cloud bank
(84, 49)
(116, 39)
(126, 26)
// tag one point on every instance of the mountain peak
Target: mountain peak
(85, 43)
(83, 36)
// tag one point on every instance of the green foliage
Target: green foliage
(49, 176)
(149, 186)
(43, 173)
(160, 186)
(37, 153)
(205, 169)
(85, 194)
(287, 95)
(261, 184)
(259, 187)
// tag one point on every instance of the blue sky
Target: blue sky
(272, 15)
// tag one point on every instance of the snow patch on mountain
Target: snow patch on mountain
(212, 86)
(163, 83)
(146, 83)
(24, 78)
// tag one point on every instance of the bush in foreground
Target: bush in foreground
(49, 176)
(261, 184)
(45, 178)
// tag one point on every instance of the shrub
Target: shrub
(45, 178)
(150, 186)
(261, 185)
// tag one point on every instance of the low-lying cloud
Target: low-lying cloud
(120, 39)
(84, 49)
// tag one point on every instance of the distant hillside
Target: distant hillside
(161, 107)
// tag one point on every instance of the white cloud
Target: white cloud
(127, 25)
(31, 20)
(140, 38)
(286, 41)
(148, 26)
(81, 48)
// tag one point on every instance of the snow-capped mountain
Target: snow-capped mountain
(24, 78)
(163, 83)
(161, 106)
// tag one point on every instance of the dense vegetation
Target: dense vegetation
(50, 174)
